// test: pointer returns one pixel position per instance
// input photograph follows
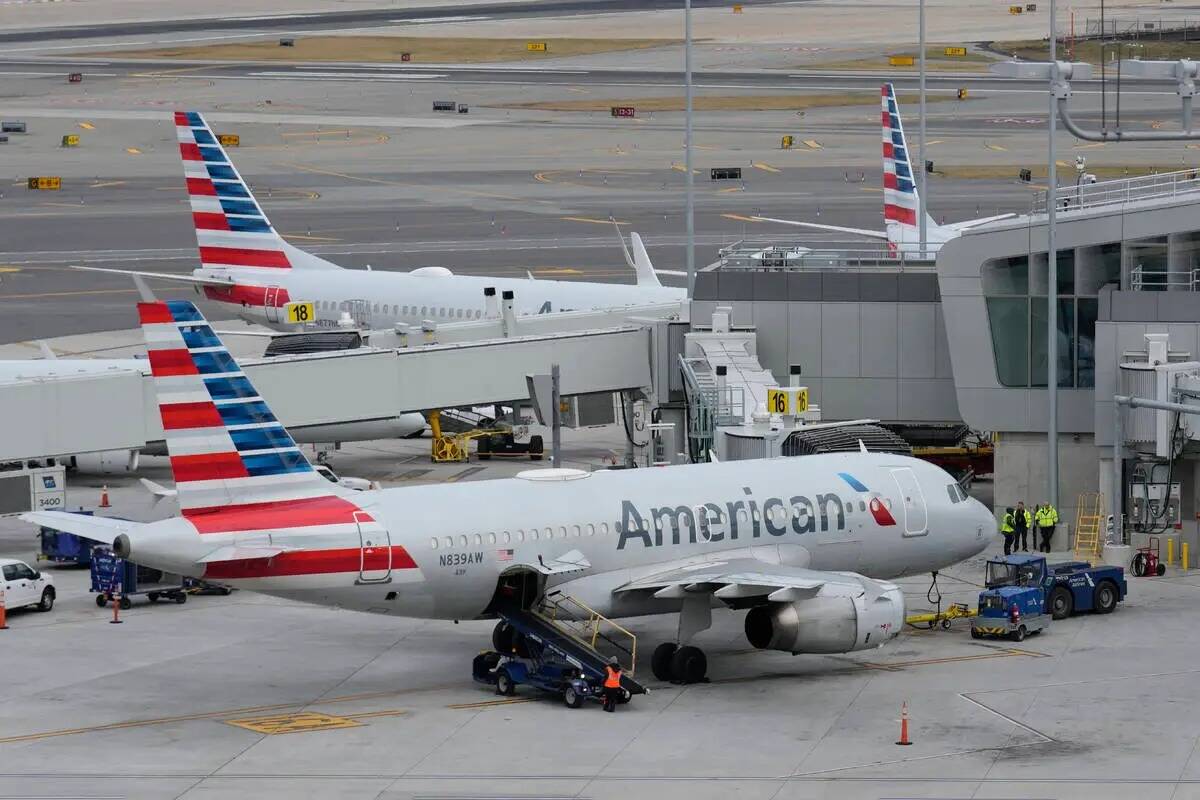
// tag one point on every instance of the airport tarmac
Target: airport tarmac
(248, 695)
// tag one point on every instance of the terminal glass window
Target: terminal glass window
(1066, 358)
(1146, 262)
(1008, 318)
(1006, 276)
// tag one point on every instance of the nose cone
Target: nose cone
(978, 528)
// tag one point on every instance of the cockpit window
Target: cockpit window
(955, 493)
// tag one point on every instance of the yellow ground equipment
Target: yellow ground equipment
(1089, 516)
(452, 447)
(945, 618)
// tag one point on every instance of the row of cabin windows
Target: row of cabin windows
(404, 311)
(778, 515)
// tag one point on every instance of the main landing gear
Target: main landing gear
(676, 664)
(683, 663)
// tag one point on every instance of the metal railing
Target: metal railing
(1122, 190)
(797, 256)
(1164, 280)
(709, 405)
(587, 626)
(1140, 27)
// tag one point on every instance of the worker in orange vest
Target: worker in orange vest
(612, 684)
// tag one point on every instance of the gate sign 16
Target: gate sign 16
(789, 401)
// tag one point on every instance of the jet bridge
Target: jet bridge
(116, 409)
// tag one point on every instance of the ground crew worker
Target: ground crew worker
(1021, 526)
(1007, 528)
(1047, 518)
(612, 684)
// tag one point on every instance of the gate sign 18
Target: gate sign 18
(301, 313)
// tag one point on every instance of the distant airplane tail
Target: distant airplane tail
(231, 229)
(227, 449)
(901, 203)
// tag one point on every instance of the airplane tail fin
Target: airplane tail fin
(231, 229)
(225, 445)
(901, 203)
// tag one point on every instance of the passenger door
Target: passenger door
(375, 547)
(912, 499)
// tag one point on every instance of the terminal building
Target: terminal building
(964, 338)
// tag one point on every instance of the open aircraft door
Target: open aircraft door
(375, 546)
(912, 499)
(272, 301)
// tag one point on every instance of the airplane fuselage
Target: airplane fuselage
(386, 298)
(438, 551)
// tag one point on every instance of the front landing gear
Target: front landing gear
(675, 664)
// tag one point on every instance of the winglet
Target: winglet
(646, 276)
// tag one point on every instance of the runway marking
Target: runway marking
(1094, 145)
(309, 237)
(935, 141)
(87, 126)
(364, 179)
(997, 147)
(1008, 652)
(731, 189)
(554, 271)
(490, 703)
(64, 294)
(466, 473)
(60, 205)
(739, 218)
(812, 144)
(10, 269)
(302, 722)
(683, 168)
(765, 167)
(133, 151)
(102, 184)
(158, 73)
(594, 220)
(347, 132)
(869, 189)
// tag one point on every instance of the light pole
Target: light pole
(921, 130)
(689, 212)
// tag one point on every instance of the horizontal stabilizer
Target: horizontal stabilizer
(818, 226)
(242, 552)
(161, 276)
(974, 223)
(97, 529)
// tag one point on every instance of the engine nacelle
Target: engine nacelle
(836, 624)
(431, 272)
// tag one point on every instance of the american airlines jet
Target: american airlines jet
(804, 546)
(245, 264)
(901, 203)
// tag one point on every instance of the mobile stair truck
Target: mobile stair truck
(561, 647)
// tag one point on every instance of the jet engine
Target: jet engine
(431, 272)
(829, 624)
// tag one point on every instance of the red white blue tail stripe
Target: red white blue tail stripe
(226, 447)
(231, 228)
(900, 202)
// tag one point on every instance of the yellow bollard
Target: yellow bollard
(1183, 556)
(1170, 552)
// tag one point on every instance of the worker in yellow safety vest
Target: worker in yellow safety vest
(1008, 528)
(612, 684)
(1046, 517)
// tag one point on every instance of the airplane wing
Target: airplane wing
(738, 578)
(971, 223)
(98, 529)
(162, 276)
(818, 226)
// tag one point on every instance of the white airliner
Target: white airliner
(245, 264)
(901, 203)
(804, 545)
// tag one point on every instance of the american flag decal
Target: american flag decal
(504, 555)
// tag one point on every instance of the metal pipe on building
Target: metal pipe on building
(1052, 285)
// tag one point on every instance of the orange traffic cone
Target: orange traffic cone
(3, 614)
(104, 498)
(904, 725)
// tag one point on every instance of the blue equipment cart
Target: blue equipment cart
(1069, 587)
(111, 575)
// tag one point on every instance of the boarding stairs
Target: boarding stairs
(1089, 517)
(577, 634)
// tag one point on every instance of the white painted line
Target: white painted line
(375, 76)
(422, 20)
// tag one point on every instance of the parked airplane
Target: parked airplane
(246, 264)
(901, 203)
(805, 545)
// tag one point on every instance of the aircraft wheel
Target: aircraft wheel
(502, 637)
(660, 661)
(689, 665)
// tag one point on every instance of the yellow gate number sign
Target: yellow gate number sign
(955, 51)
(301, 313)
(70, 140)
(536, 47)
(787, 401)
(229, 139)
(786, 142)
(1015, 9)
(45, 183)
(901, 61)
